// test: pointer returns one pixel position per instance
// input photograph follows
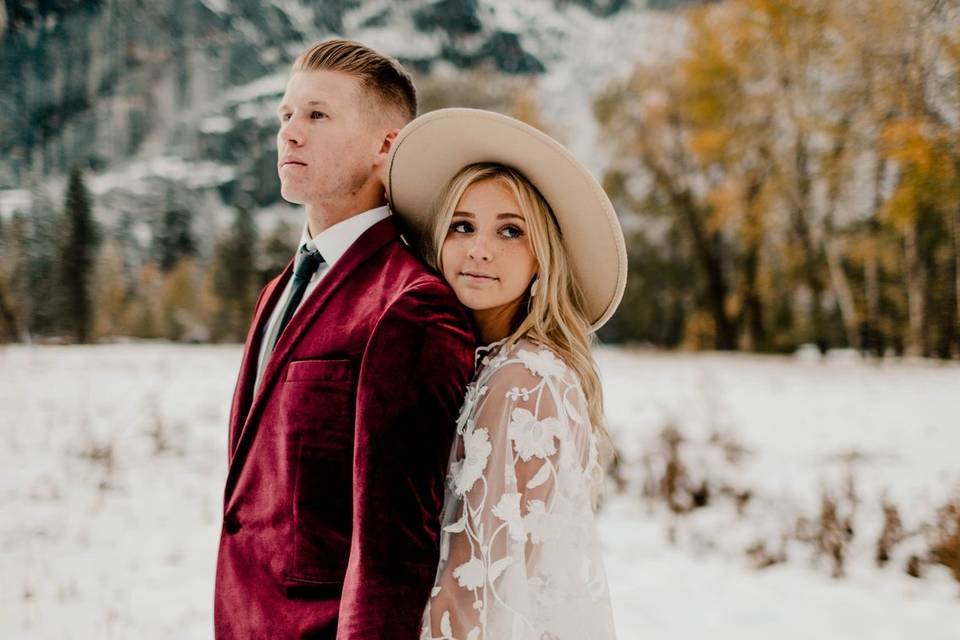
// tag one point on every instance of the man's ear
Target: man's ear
(386, 144)
(380, 160)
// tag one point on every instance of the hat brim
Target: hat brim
(433, 148)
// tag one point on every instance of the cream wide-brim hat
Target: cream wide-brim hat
(432, 149)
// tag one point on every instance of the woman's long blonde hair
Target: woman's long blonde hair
(555, 317)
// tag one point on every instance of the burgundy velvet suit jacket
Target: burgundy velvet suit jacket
(337, 463)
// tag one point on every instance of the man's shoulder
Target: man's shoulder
(402, 251)
(417, 291)
(410, 274)
(425, 292)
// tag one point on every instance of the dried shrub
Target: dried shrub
(100, 454)
(165, 438)
(700, 495)
(914, 567)
(741, 497)
(830, 533)
(834, 535)
(615, 470)
(733, 451)
(891, 535)
(676, 487)
(945, 548)
(761, 557)
(651, 483)
(674, 478)
(668, 477)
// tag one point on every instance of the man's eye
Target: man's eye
(317, 115)
(284, 117)
(461, 227)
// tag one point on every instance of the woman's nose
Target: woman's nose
(478, 251)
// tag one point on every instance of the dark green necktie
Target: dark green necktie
(306, 265)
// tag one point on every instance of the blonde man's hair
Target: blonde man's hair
(383, 78)
(555, 317)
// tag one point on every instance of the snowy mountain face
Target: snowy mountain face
(181, 95)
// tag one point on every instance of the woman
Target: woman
(530, 244)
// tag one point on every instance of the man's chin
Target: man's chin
(292, 196)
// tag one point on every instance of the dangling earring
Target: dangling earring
(533, 286)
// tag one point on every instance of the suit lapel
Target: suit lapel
(243, 395)
(369, 243)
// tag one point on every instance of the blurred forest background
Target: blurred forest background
(787, 171)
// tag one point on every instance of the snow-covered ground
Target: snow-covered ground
(805, 427)
(112, 461)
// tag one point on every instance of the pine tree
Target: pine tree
(8, 247)
(174, 238)
(234, 279)
(276, 252)
(77, 259)
(130, 250)
(12, 272)
(245, 237)
(35, 280)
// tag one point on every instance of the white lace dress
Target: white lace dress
(519, 554)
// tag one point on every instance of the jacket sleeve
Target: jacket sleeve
(411, 384)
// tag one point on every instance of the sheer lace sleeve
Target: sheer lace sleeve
(518, 550)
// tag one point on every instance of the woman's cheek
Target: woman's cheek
(449, 260)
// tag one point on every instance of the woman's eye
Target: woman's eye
(512, 231)
(461, 227)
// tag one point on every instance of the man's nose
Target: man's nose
(290, 133)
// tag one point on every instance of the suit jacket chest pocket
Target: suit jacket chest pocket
(317, 403)
(318, 409)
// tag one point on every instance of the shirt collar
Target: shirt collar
(334, 241)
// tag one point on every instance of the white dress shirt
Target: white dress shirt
(332, 243)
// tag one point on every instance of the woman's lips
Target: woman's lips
(477, 278)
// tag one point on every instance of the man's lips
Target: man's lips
(291, 161)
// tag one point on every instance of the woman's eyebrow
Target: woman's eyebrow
(500, 216)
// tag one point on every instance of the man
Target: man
(353, 371)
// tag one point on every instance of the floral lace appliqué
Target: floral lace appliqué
(477, 449)
(520, 558)
(532, 437)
